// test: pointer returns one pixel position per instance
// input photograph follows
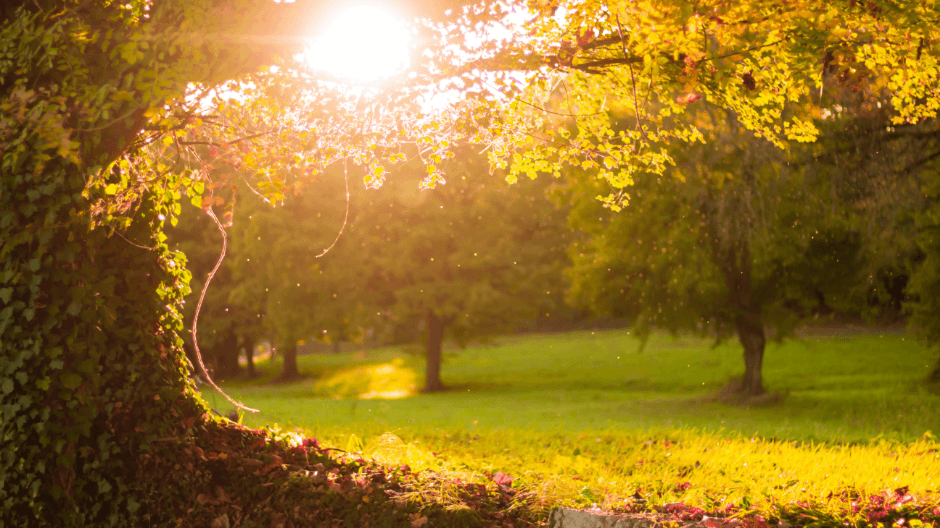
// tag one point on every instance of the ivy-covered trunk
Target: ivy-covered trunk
(432, 370)
(92, 372)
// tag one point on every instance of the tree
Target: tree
(293, 262)
(468, 260)
(103, 105)
(739, 238)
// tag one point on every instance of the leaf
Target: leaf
(111, 189)
(7, 386)
(71, 380)
(419, 522)
(690, 97)
(5, 294)
(502, 479)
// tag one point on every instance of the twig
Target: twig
(202, 297)
(346, 216)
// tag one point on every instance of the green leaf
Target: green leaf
(196, 201)
(70, 380)
(5, 294)
(6, 386)
(111, 189)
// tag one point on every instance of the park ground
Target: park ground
(589, 418)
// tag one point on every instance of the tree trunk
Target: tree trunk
(225, 353)
(733, 257)
(250, 358)
(90, 368)
(432, 369)
(750, 330)
(289, 372)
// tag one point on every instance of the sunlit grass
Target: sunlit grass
(584, 418)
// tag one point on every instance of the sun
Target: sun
(364, 42)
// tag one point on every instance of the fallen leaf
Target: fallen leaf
(220, 522)
(418, 523)
(502, 478)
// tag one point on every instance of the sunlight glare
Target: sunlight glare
(363, 43)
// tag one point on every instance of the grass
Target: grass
(585, 418)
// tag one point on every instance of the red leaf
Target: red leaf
(690, 97)
(502, 479)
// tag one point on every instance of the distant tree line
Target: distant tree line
(465, 260)
(741, 239)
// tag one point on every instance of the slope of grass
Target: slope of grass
(585, 418)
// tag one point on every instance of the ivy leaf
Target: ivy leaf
(71, 380)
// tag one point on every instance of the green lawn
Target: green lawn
(584, 417)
